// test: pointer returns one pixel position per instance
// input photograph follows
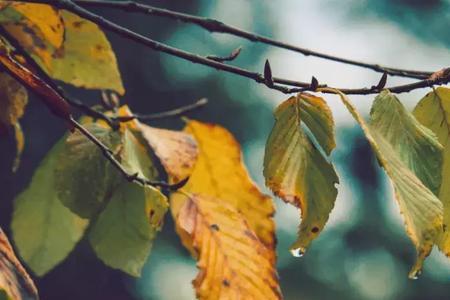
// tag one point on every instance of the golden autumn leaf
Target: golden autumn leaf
(48, 21)
(39, 33)
(220, 173)
(230, 256)
(86, 58)
(49, 96)
(433, 111)
(15, 283)
(421, 209)
(296, 170)
(176, 150)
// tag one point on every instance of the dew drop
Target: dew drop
(415, 274)
(298, 252)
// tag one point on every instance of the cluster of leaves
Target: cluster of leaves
(76, 192)
(220, 215)
(409, 146)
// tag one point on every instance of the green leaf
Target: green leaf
(135, 157)
(124, 232)
(86, 58)
(421, 209)
(433, 111)
(317, 116)
(83, 175)
(296, 170)
(44, 230)
(416, 145)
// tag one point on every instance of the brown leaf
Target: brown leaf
(231, 258)
(176, 150)
(14, 280)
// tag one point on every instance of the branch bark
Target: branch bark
(278, 83)
(213, 25)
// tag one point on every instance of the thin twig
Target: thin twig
(58, 105)
(232, 56)
(110, 156)
(220, 27)
(165, 114)
(258, 77)
(44, 76)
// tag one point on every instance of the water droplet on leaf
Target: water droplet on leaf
(415, 274)
(298, 252)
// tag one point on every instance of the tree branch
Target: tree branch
(58, 105)
(213, 25)
(165, 114)
(194, 58)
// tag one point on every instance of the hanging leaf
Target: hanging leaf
(48, 23)
(44, 230)
(84, 177)
(124, 231)
(86, 59)
(220, 173)
(230, 256)
(421, 209)
(123, 234)
(296, 170)
(433, 111)
(415, 144)
(15, 283)
(69, 48)
(176, 150)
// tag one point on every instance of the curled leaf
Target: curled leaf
(421, 209)
(296, 170)
(176, 150)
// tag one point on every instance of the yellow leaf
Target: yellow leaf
(86, 58)
(176, 150)
(421, 209)
(433, 111)
(45, 18)
(39, 33)
(230, 257)
(14, 280)
(220, 173)
(296, 170)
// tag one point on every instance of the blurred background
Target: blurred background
(363, 252)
